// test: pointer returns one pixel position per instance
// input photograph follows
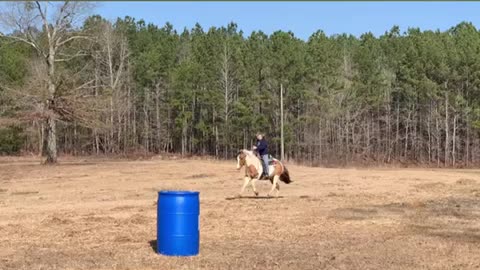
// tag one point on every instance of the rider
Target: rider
(262, 149)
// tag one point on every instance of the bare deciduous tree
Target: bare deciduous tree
(49, 34)
(228, 84)
(111, 56)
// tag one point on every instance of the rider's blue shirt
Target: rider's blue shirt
(262, 147)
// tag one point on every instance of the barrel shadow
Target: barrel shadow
(153, 244)
(253, 197)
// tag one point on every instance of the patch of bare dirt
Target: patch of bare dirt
(101, 214)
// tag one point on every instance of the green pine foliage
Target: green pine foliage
(410, 97)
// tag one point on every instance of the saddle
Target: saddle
(271, 160)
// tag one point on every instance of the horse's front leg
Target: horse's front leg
(245, 184)
(274, 185)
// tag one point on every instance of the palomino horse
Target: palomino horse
(254, 169)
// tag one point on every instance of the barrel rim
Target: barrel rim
(178, 192)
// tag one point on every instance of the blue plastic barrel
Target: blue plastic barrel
(178, 223)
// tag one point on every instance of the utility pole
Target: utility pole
(282, 142)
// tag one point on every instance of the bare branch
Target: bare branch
(22, 21)
(79, 54)
(60, 18)
(84, 85)
(123, 56)
(60, 43)
(43, 15)
(20, 39)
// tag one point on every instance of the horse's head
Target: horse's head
(241, 159)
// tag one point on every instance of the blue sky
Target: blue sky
(302, 18)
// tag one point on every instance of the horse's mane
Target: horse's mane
(251, 154)
(248, 152)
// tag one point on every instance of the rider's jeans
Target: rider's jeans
(265, 164)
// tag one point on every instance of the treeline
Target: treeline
(409, 97)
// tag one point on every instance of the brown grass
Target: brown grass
(101, 214)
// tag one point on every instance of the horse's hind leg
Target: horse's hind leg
(274, 185)
(253, 186)
(277, 188)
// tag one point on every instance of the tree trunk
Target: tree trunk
(467, 146)
(216, 141)
(437, 125)
(454, 139)
(51, 141)
(41, 140)
(134, 127)
(119, 130)
(96, 139)
(50, 121)
(75, 139)
(447, 133)
(397, 130)
(429, 132)
(157, 116)
(146, 137)
(320, 139)
(406, 136)
(112, 127)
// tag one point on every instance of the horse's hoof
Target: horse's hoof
(239, 195)
(256, 194)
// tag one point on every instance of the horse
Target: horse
(254, 169)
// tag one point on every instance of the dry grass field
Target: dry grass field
(101, 214)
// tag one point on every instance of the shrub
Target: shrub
(11, 140)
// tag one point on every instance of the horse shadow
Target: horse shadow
(253, 198)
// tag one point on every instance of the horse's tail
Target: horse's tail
(285, 176)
